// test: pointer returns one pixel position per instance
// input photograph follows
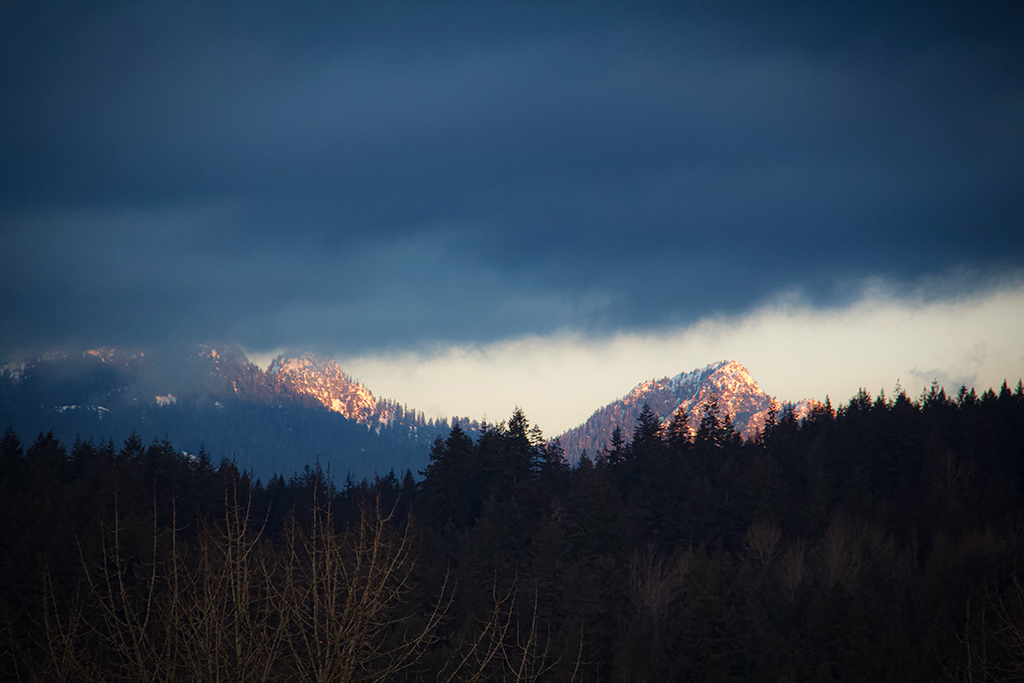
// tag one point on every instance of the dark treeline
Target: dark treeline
(877, 542)
(266, 438)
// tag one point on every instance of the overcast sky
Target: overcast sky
(434, 181)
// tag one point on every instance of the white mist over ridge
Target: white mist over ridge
(795, 351)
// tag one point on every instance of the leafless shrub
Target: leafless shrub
(792, 567)
(654, 583)
(761, 545)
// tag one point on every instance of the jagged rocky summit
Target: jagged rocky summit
(307, 379)
(738, 394)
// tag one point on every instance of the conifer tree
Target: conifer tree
(679, 435)
(11, 454)
(451, 487)
(615, 454)
(647, 435)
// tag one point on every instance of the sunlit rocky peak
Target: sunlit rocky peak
(319, 378)
(738, 395)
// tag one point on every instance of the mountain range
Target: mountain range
(303, 407)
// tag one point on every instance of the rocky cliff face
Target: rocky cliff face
(320, 380)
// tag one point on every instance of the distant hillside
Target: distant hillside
(302, 408)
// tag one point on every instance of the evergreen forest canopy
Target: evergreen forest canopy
(881, 541)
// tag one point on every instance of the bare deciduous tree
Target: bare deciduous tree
(223, 603)
(993, 643)
(126, 592)
(508, 647)
(343, 591)
(229, 607)
(65, 640)
(323, 606)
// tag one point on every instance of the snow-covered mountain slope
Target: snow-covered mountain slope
(739, 396)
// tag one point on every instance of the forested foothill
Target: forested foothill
(880, 541)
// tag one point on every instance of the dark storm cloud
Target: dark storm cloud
(302, 174)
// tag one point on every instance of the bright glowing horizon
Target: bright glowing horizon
(791, 350)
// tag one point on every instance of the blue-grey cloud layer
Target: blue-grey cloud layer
(311, 175)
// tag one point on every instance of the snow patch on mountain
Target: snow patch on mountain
(99, 410)
(13, 371)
